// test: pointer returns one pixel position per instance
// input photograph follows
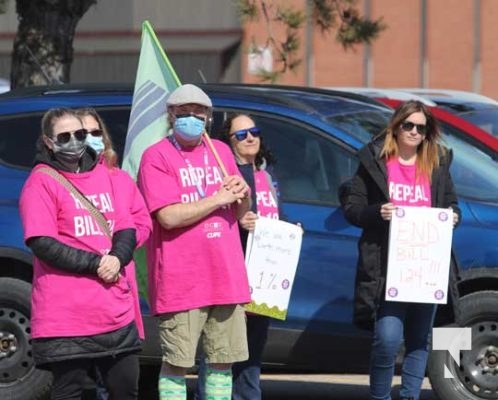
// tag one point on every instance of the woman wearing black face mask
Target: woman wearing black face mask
(82, 304)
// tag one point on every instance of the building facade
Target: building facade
(201, 38)
(428, 43)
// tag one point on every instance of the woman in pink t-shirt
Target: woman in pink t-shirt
(82, 302)
(99, 139)
(407, 166)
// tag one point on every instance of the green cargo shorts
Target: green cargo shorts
(221, 329)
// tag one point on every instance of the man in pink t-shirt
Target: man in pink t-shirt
(197, 276)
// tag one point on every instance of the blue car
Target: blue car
(315, 135)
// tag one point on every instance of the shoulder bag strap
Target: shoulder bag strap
(99, 217)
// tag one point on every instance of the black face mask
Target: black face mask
(69, 154)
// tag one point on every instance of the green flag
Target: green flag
(155, 79)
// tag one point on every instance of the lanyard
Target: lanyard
(193, 175)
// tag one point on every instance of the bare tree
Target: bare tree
(327, 15)
(43, 47)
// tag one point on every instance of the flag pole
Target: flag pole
(208, 141)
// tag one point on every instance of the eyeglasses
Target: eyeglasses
(96, 132)
(408, 127)
(65, 137)
(242, 134)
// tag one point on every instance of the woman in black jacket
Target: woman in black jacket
(406, 165)
(240, 132)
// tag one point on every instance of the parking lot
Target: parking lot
(279, 386)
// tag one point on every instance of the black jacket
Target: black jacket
(362, 200)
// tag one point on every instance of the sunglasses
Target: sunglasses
(408, 127)
(199, 117)
(242, 134)
(96, 132)
(65, 137)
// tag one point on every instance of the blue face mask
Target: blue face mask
(189, 128)
(95, 142)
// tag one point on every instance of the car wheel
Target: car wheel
(476, 378)
(19, 379)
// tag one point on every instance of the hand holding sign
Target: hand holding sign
(419, 255)
(272, 255)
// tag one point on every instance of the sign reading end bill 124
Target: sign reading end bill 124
(419, 255)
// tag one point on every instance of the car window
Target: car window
(473, 171)
(19, 134)
(362, 125)
(309, 165)
(116, 120)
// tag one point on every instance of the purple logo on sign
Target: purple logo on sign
(285, 284)
(439, 294)
(400, 212)
(392, 292)
(443, 216)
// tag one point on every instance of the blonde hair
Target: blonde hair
(110, 156)
(429, 150)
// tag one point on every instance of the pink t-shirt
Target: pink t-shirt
(266, 204)
(201, 264)
(63, 303)
(132, 199)
(405, 189)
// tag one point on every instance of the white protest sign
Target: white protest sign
(419, 255)
(272, 255)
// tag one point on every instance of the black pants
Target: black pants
(120, 375)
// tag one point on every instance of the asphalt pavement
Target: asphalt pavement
(278, 386)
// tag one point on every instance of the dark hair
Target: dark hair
(264, 154)
(428, 151)
(110, 156)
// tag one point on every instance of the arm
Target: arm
(120, 255)
(450, 198)
(123, 245)
(354, 197)
(61, 256)
(138, 210)
(180, 215)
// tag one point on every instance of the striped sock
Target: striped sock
(172, 388)
(218, 384)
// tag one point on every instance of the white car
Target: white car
(479, 110)
(393, 94)
(449, 94)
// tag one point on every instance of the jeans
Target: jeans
(395, 321)
(246, 374)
